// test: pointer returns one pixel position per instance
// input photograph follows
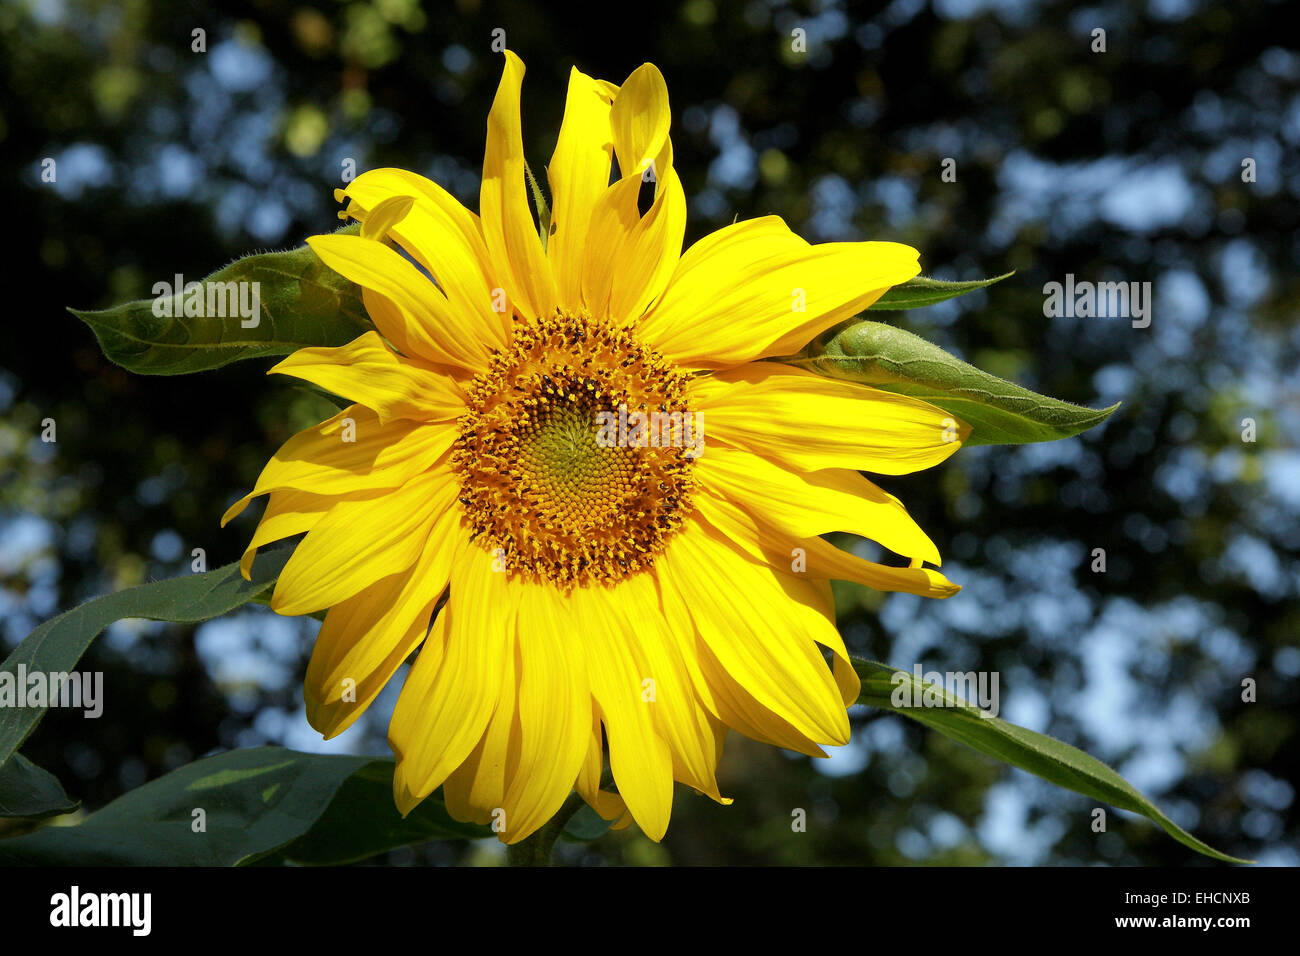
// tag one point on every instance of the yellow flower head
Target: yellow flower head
(573, 478)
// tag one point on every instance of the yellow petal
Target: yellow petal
(639, 758)
(475, 792)
(379, 222)
(367, 637)
(287, 513)
(739, 709)
(508, 227)
(614, 216)
(846, 679)
(554, 708)
(651, 252)
(360, 542)
(443, 236)
(608, 805)
(367, 371)
(350, 455)
(630, 257)
(640, 119)
(417, 319)
(418, 680)
(763, 641)
(816, 594)
(679, 717)
(726, 702)
(807, 505)
(579, 175)
(754, 289)
(445, 707)
(766, 543)
(809, 422)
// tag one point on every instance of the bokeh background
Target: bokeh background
(1124, 165)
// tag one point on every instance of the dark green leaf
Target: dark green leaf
(919, 292)
(1036, 753)
(362, 821)
(260, 804)
(57, 645)
(28, 791)
(302, 303)
(998, 411)
(253, 801)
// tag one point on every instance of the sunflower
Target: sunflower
(576, 481)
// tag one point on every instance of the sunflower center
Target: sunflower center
(576, 454)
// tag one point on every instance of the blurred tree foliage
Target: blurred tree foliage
(1118, 165)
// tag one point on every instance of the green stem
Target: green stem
(536, 850)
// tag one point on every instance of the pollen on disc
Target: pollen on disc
(540, 482)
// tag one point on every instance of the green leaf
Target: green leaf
(998, 411)
(920, 292)
(1043, 756)
(57, 645)
(302, 303)
(586, 825)
(259, 805)
(362, 821)
(28, 791)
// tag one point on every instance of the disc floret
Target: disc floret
(543, 487)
